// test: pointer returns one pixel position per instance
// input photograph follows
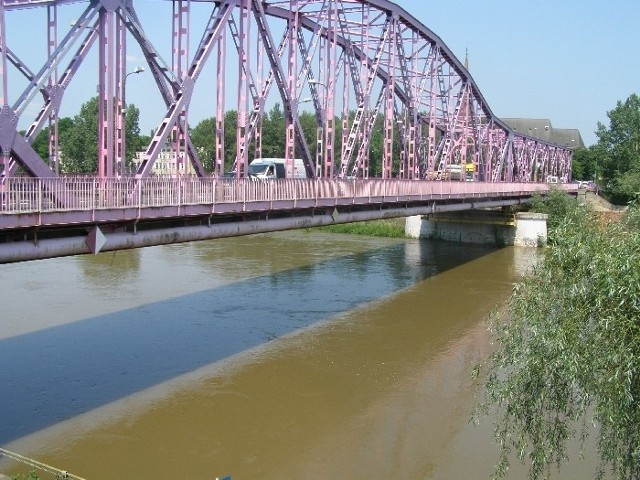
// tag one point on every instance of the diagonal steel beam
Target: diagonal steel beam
(280, 76)
(182, 97)
(40, 79)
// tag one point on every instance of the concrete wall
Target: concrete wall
(531, 229)
(526, 229)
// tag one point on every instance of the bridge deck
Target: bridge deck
(29, 202)
(44, 218)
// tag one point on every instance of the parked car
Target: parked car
(591, 185)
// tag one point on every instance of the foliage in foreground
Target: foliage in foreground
(567, 363)
(559, 207)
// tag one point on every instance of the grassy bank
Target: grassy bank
(393, 228)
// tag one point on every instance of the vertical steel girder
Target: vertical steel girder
(120, 74)
(330, 60)
(367, 66)
(180, 57)
(292, 87)
(5, 140)
(220, 111)
(244, 50)
(389, 102)
(52, 44)
(258, 103)
(106, 103)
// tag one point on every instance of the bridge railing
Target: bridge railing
(26, 194)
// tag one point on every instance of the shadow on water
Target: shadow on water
(54, 374)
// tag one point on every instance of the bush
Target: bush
(559, 206)
(376, 228)
(568, 353)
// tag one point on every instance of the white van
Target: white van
(266, 168)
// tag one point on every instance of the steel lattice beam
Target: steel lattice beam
(369, 68)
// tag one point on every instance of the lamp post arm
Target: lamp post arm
(124, 86)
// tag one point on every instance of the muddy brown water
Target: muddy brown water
(298, 355)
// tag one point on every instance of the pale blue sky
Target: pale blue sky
(566, 60)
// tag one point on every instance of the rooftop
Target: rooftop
(542, 129)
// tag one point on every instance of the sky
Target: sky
(568, 61)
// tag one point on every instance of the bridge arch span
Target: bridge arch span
(387, 96)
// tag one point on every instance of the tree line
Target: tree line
(614, 161)
(78, 138)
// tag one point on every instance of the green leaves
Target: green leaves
(203, 136)
(274, 136)
(79, 138)
(568, 351)
(79, 143)
(618, 150)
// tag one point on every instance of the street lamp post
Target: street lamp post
(124, 86)
(316, 82)
(124, 115)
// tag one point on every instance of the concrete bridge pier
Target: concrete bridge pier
(522, 229)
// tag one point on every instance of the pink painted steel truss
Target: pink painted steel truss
(363, 68)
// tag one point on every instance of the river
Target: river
(296, 355)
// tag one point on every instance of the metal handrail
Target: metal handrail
(22, 195)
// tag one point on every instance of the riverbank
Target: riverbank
(391, 228)
(606, 212)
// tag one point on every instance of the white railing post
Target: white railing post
(94, 194)
(40, 195)
(295, 193)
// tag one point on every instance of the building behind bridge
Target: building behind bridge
(167, 163)
(542, 129)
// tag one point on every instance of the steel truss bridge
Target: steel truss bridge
(362, 68)
(355, 61)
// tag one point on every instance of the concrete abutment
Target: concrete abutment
(523, 229)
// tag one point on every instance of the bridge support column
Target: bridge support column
(531, 229)
(582, 196)
(524, 229)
